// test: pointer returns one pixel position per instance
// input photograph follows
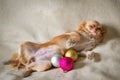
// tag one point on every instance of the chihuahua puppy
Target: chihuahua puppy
(36, 57)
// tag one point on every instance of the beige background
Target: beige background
(40, 20)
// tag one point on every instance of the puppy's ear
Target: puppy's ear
(70, 43)
(82, 25)
(104, 30)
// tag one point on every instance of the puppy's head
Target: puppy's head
(93, 28)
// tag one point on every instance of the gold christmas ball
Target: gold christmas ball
(72, 54)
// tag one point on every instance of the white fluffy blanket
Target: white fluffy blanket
(40, 20)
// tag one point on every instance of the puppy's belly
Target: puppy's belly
(46, 53)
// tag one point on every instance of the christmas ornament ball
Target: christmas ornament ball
(55, 60)
(66, 63)
(72, 54)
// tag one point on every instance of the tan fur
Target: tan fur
(88, 35)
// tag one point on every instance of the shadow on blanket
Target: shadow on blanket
(112, 33)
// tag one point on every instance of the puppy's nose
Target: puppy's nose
(96, 29)
(99, 29)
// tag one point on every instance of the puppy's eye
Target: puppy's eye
(91, 27)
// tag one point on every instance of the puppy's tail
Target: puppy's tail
(10, 62)
(13, 61)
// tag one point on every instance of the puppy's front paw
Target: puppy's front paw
(91, 55)
(71, 42)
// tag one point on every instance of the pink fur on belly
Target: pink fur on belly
(46, 53)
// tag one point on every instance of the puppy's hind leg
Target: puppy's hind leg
(39, 66)
(27, 50)
(34, 66)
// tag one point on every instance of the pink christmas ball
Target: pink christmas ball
(66, 63)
